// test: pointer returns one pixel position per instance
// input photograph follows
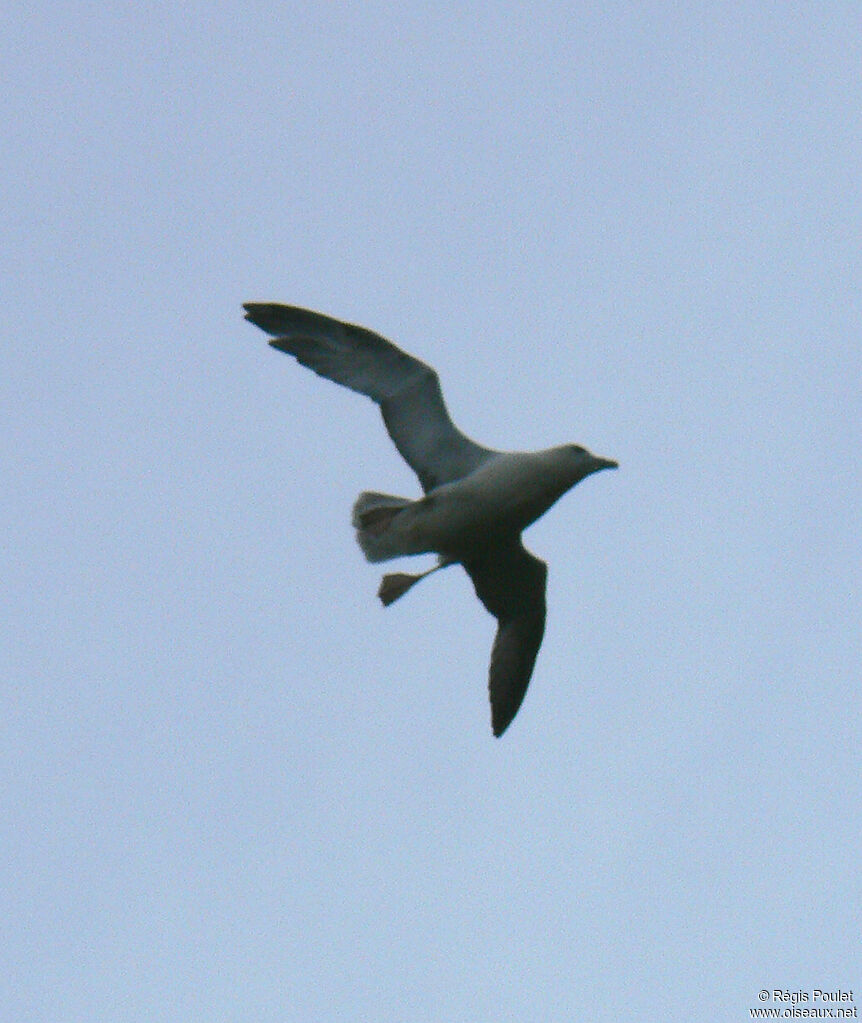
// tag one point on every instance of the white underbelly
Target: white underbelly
(503, 496)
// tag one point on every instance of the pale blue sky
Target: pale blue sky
(233, 786)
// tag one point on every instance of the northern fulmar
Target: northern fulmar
(477, 501)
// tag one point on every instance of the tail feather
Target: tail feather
(373, 514)
(369, 506)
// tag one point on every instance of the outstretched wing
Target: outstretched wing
(407, 390)
(510, 582)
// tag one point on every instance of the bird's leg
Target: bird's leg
(396, 584)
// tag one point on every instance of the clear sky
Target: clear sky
(234, 787)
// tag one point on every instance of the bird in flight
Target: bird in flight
(476, 501)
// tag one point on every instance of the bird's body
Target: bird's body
(495, 502)
(477, 501)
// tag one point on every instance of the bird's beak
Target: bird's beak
(606, 463)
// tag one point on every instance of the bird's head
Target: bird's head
(580, 463)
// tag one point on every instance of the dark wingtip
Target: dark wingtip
(498, 725)
(269, 316)
(254, 311)
(271, 319)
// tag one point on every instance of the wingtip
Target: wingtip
(265, 315)
(253, 311)
(498, 727)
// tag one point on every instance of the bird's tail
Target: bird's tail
(373, 515)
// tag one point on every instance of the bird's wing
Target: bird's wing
(510, 582)
(407, 390)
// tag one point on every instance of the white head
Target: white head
(578, 463)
